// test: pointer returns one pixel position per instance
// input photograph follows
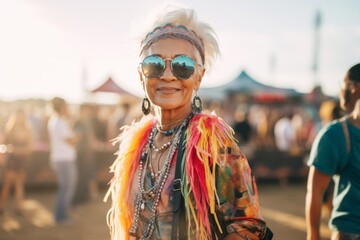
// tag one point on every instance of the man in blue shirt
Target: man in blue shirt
(336, 153)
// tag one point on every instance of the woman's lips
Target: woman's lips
(167, 90)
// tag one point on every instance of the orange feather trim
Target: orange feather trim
(131, 142)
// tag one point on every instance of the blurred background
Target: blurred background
(281, 66)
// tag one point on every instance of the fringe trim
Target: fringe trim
(131, 142)
(206, 137)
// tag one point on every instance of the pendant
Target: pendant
(142, 206)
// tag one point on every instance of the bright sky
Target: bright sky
(48, 46)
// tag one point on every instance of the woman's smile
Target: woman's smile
(167, 90)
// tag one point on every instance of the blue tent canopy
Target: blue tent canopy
(244, 84)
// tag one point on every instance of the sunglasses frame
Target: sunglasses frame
(171, 67)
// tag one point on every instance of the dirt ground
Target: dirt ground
(282, 208)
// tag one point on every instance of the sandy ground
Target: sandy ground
(282, 207)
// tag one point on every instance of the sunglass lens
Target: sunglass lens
(153, 66)
(183, 67)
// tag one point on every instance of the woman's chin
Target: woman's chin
(171, 106)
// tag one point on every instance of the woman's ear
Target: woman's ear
(141, 76)
(355, 89)
(203, 70)
(199, 79)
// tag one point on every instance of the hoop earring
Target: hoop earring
(196, 104)
(145, 106)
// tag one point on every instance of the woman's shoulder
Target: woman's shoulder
(333, 127)
(206, 121)
(331, 133)
(137, 127)
(210, 118)
(211, 126)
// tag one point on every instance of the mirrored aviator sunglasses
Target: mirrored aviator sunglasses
(182, 66)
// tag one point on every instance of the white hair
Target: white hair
(187, 17)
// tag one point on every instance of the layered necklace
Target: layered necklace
(152, 195)
(170, 131)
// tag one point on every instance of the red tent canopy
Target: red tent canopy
(110, 86)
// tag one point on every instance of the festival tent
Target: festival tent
(244, 84)
(110, 86)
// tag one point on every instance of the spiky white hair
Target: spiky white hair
(187, 17)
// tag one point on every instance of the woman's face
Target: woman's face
(349, 94)
(166, 91)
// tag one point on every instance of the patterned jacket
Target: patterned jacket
(219, 191)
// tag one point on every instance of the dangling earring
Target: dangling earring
(196, 104)
(145, 106)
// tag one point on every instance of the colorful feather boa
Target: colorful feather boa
(206, 136)
(132, 140)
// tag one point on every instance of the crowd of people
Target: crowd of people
(71, 134)
(182, 172)
(94, 126)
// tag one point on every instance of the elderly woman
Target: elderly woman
(179, 173)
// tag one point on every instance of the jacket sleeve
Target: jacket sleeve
(238, 208)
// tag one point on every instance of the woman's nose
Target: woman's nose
(168, 74)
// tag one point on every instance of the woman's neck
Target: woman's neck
(355, 115)
(170, 119)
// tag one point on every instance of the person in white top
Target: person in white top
(284, 133)
(62, 158)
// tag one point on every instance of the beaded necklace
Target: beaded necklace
(166, 132)
(151, 156)
(153, 194)
(170, 131)
(154, 175)
(152, 144)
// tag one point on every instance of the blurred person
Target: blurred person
(86, 165)
(117, 119)
(271, 118)
(298, 123)
(179, 173)
(285, 141)
(62, 158)
(18, 137)
(285, 136)
(35, 120)
(336, 154)
(243, 131)
(260, 119)
(99, 121)
(329, 111)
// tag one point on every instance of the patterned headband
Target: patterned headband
(176, 32)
